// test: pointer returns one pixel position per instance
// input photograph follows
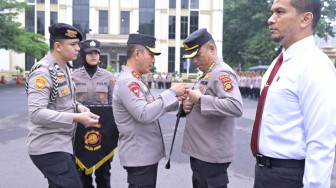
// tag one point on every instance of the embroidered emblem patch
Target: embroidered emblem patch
(60, 78)
(64, 91)
(207, 76)
(227, 83)
(92, 140)
(150, 99)
(135, 88)
(40, 82)
(201, 89)
(278, 78)
(101, 96)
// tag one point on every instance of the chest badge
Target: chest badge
(201, 89)
(101, 96)
(40, 82)
(64, 91)
(207, 76)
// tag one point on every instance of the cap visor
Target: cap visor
(87, 50)
(153, 50)
(190, 55)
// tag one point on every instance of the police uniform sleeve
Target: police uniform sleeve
(39, 87)
(224, 97)
(145, 112)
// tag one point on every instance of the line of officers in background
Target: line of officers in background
(249, 84)
(160, 80)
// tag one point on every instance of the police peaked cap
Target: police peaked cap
(145, 40)
(195, 41)
(64, 31)
(90, 45)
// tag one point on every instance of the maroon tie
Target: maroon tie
(255, 131)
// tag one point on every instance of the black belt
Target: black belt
(273, 162)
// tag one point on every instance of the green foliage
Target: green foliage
(246, 38)
(109, 68)
(18, 68)
(14, 36)
(153, 69)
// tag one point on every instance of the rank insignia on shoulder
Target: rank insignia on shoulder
(135, 88)
(101, 96)
(40, 82)
(207, 76)
(136, 75)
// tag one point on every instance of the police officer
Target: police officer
(52, 109)
(136, 113)
(211, 108)
(94, 85)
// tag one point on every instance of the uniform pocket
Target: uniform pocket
(102, 95)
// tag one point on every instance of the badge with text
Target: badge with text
(40, 82)
(92, 140)
(135, 88)
(227, 83)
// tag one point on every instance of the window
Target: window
(193, 21)
(80, 16)
(53, 1)
(146, 17)
(40, 22)
(53, 17)
(171, 59)
(39, 1)
(30, 1)
(194, 4)
(103, 22)
(184, 4)
(172, 3)
(29, 63)
(30, 19)
(184, 63)
(172, 25)
(125, 23)
(184, 27)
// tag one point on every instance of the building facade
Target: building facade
(111, 21)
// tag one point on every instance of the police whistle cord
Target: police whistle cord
(176, 125)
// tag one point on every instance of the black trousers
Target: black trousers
(59, 168)
(278, 177)
(142, 176)
(150, 85)
(209, 175)
(103, 176)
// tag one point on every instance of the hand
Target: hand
(81, 108)
(180, 89)
(88, 119)
(187, 106)
(194, 95)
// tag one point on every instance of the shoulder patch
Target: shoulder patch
(227, 83)
(135, 88)
(40, 82)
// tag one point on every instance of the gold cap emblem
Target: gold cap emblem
(71, 33)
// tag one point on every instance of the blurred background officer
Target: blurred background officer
(52, 109)
(297, 137)
(209, 136)
(136, 113)
(94, 85)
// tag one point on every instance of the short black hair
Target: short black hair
(131, 47)
(52, 42)
(313, 6)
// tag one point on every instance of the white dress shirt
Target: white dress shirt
(299, 116)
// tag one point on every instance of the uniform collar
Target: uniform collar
(298, 47)
(132, 72)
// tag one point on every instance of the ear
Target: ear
(307, 20)
(57, 46)
(213, 49)
(136, 53)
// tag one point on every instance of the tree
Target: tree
(246, 38)
(13, 36)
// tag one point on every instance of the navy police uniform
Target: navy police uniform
(51, 106)
(209, 136)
